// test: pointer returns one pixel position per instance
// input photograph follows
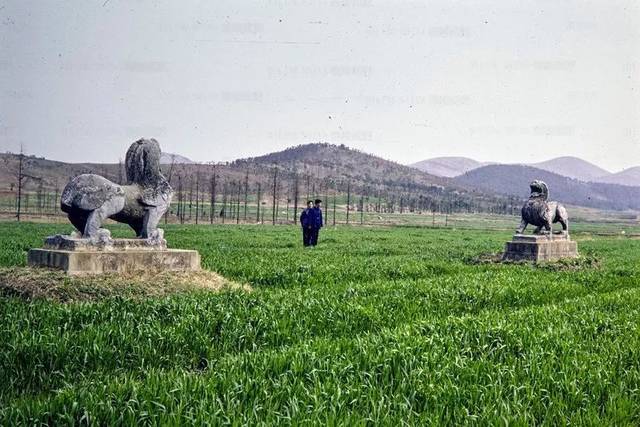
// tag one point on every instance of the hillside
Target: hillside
(573, 167)
(341, 168)
(51, 173)
(324, 168)
(514, 180)
(340, 162)
(318, 169)
(168, 158)
(447, 166)
(630, 176)
(54, 173)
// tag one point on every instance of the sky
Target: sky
(506, 81)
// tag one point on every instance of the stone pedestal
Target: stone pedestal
(84, 256)
(536, 248)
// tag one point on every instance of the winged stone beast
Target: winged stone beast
(540, 212)
(89, 199)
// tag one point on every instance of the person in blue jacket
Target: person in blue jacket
(315, 220)
(305, 218)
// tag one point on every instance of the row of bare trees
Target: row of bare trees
(220, 194)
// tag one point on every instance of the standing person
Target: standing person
(305, 222)
(316, 222)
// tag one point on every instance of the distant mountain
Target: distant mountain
(514, 180)
(52, 174)
(168, 158)
(447, 166)
(630, 176)
(318, 170)
(324, 168)
(339, 161)
(340, 166)
(573, 167)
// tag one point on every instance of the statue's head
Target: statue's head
(143, 162)
(539, 190)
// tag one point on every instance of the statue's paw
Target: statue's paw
(75, 234)
(157, 234)
(103, 236)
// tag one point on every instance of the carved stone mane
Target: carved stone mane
(142, 163)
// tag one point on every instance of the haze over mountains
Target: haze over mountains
(448, 166)
(630, 176)
(168, 158)
(573, 167)
(567, 166)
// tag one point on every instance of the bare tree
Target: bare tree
(21, 180)
(180, 200)
(275, 194)
(213, 195)
(246, 194)
(238, 203)
(296, 190)
(190, 196)
(348, 199)
(258, 202)
(197, 195)
(224, 202)
(334, 207)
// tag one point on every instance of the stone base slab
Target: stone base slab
(114, 261)
(537, 248)
(106, 243)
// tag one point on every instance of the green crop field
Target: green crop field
(398, 325)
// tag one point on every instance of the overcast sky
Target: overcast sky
(501, 80)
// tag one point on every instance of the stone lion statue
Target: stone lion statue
(89, 199)
(541, 213)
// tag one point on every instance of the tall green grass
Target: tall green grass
(386, 326)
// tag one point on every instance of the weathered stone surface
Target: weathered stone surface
(550, 247)
(115, 261)
(89, 199)
(541, 213)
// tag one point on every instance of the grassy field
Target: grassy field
(399, 325)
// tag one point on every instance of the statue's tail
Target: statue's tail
(562, 217)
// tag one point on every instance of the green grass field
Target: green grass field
(393, 326)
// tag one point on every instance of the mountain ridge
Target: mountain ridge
(326, 167)
(569, 166)
(320, 169)
(573, 167)
(449, 167)
(629, 176)
(513, 180)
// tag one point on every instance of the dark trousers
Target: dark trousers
(313, 236)
(306, 236)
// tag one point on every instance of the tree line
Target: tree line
(248, 193)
